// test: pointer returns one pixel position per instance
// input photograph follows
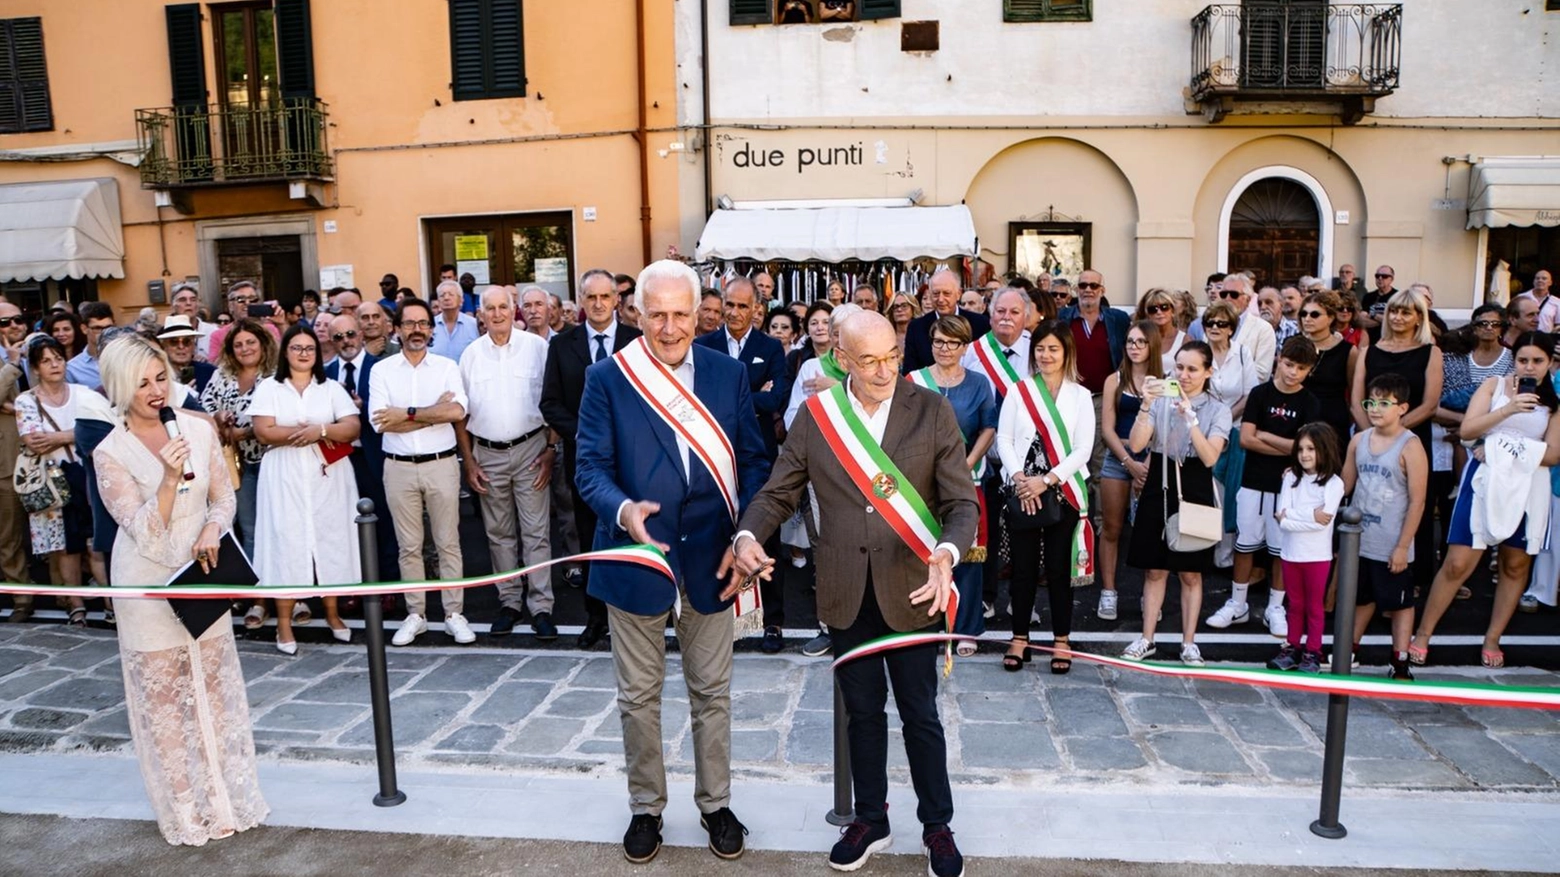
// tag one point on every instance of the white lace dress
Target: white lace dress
(187, 706)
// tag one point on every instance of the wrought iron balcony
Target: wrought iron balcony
(229, 144)
(1289, 50)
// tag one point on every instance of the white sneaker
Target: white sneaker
(1277, 621)
(413, 627)
(1191, 655)
(455, 625)
(990, 610)
(1140, 649)
(1107, 608)
(1230, 613)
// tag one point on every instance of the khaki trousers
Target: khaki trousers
(639, 657)
(409, 489)
(14, 539)
(509, 497)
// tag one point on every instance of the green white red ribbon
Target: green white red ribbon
(1463, 693)
(643, 555)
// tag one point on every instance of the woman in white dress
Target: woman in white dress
(304, 532)
(184, 696)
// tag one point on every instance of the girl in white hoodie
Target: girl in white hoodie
(1307, 506)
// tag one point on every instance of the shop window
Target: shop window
(811, 11)
(24, 78)
(1047, 10)
(487, 49)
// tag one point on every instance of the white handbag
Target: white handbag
(1194, 526)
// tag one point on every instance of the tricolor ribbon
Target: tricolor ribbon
(644, 555)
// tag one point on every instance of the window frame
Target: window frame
(1045, 12)
(10, 75)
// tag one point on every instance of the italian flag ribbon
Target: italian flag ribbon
(644, 555)
(878, 479)
(1461, 693)
(1037, 400)
(831, 366)
(681, 410)
(988, 352)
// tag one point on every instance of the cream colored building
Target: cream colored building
(316, 144)
(1287, 137)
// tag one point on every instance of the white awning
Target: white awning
(834, 234)
(59, 230)
(1514, 191)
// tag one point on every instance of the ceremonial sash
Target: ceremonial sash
(1037, 400)
(681, 410)
(923, 377)
(996, 366)
(831, 366)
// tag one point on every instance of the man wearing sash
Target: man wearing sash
(669, 454)
(897, 509)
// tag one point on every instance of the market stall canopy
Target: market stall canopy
(1514, 191)
(59, 230)
(834, 234)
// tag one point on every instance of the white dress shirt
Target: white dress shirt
(734, 345)
(684, 376)
(1021, 361)
(590, 337)
(396, 383)
(504, 385)
(1257, 336)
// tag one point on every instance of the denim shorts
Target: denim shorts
(1113, 470)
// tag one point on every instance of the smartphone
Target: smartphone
(1527, 385)
(261, 311)
(1171, 388)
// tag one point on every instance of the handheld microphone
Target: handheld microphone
(171, 426)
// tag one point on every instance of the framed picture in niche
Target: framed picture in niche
(1060, 249)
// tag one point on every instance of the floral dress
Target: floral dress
(65, 528)
(222, 394)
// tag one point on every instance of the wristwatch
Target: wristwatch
(411, 413)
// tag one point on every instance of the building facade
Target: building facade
(310, 145)
(1156, 140)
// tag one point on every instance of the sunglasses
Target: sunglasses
(341, 336)
(1061, 296)
(1488, 324)
(1217, 324)
(386, 283)
(12, 321)
(1158, 309)
(224, 320)
(1383, 276)
(1086, 285)
(1229, 294)
(1314, 315)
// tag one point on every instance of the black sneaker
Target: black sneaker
(643, 839)
(505, 623)
(1288, 658)
(774, 640)
(542, 625)
(942, 854)
(574, 577)
(1399, 668)
(725, 833)
(858, 841)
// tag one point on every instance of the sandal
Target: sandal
(302, 614)
(254, 619)
(78, 617)
(1060, 663)
(1013, 663)
(1492, 658)
(1417, 655)
(21, 613)
(965, 649)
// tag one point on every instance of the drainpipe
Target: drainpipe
(644, 138)
(704, 64)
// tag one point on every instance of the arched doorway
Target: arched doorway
(1275, 232)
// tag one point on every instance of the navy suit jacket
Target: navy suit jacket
(626, 452)
(373, 453)
(765, 359)
(918, 337)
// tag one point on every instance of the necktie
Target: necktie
(350, 382)
(601, 347)
(1007, 352)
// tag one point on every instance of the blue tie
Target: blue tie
(601, 347)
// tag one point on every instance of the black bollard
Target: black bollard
(1326, 824)
(378, 677)
(844, 809)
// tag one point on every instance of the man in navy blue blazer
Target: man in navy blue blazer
(649, 484)
(352, 366)
(943, 290)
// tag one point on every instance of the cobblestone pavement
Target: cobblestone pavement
(61, 691)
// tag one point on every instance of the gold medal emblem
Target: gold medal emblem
(884, 486)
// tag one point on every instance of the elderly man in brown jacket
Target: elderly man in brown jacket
(897, 509)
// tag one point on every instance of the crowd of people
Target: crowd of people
(1222, 437)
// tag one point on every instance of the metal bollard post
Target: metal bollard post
(378, 678)
(844, 808)
(1326, 824)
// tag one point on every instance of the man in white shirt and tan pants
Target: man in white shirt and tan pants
(415, 398)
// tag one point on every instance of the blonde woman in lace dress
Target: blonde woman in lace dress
(188, 710)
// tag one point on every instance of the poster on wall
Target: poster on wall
(1057, 249)
(332, 276)
(552, 270)
(477, 269)
(471, 247)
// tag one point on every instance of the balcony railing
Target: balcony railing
(233, 143)
(1296, 51)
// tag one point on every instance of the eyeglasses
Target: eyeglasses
(1313, 315)
(1383, 276)
(224, 320)
(1373, 404)
(1230, 294)
(946, 344)
(1158, 309)
(1217, 324)
(341, 336)
(1137, 342)
(179, 342)
(873, 363)
(1488, 324)
(416, 324)
(12, 321)
(296, 350)
(1083, 284)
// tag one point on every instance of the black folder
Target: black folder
(233, 568)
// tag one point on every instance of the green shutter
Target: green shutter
(506, 56)
(24, 78)
(487, 49)
(751, 12)
(872, 10)
(186, 55)
(1047, 10)
(295, 49)
(466, 41)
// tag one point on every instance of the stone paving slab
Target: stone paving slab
(519, 710)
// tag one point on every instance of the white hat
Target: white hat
(177, 326)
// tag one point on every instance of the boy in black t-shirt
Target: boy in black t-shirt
(1275, 411)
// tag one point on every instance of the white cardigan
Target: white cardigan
(1016, 431)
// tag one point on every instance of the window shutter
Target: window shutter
(186, 55)
(751, 12)
(487, 49)
(295, 49)
(1047, 10)
(872, 10)
(1023, 10)
(24, 79)
(466, 39)
(506, 58)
